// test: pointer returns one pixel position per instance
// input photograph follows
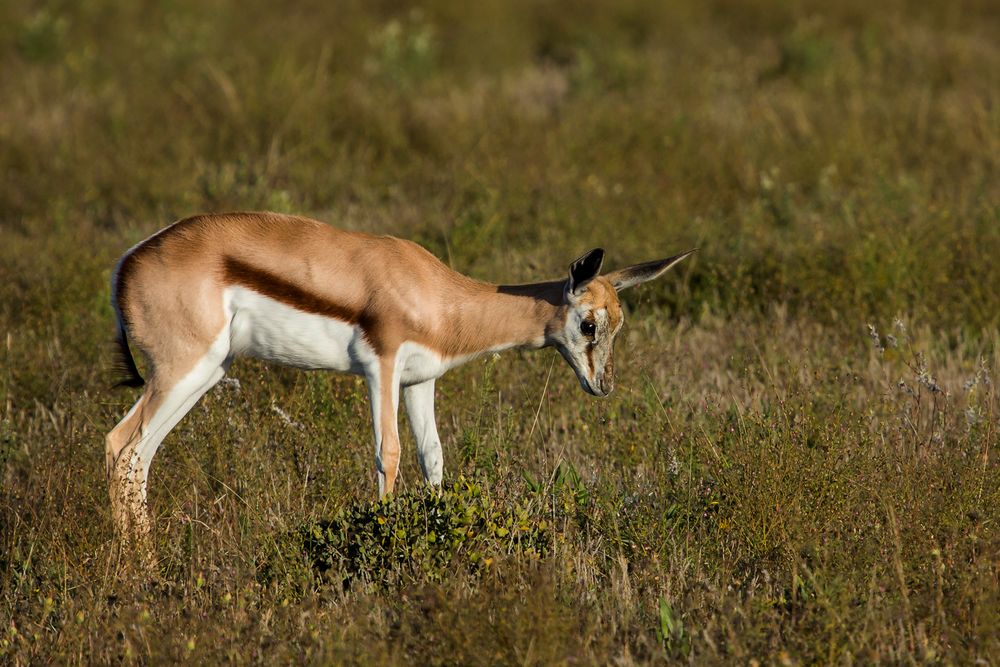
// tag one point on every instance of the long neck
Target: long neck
(492, 317)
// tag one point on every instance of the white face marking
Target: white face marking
(268, 329)
(590, 356)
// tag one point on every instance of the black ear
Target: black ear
(640, 273)
(585, 269)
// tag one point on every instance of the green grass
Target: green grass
(766, 484)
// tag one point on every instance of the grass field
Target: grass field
(799, 464)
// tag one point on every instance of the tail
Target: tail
(124, 362)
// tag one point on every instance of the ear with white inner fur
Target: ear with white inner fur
(585, 269)
(641, 273)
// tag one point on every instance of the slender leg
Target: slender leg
(132, 444)
(419, 399)
(119, 450)
(383, 391)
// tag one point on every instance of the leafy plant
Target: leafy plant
(421, 535)
(670, 629)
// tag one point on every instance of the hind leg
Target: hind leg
(132, 444)
(119, 451)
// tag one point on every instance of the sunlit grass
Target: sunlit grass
(799, 463)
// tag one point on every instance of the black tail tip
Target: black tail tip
(123, 366)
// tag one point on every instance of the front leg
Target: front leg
(419, 400)
(383, 392)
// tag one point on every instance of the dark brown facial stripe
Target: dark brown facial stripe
(590, 359)
(264, 282)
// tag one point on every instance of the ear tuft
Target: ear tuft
(585, 269)
(641, 273)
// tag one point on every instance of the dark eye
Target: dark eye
(588, 328)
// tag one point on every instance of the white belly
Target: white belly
(267, 329)
(270, 330)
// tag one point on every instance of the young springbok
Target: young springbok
(299, 292)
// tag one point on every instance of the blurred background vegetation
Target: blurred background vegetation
(773, 481)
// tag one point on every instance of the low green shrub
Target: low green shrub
(421, 535)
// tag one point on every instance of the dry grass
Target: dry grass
(767, 484)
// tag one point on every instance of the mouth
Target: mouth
(592, 389)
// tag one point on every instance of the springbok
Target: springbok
(298, 292)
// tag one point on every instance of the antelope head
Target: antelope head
(592, 316)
